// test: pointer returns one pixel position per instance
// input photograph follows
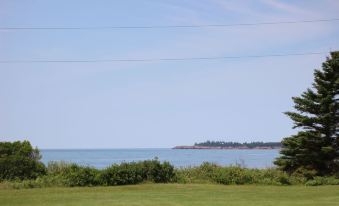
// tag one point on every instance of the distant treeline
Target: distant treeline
(237, 144)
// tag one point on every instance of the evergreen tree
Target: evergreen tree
(316, 146)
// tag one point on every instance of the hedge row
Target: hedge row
(70, 175)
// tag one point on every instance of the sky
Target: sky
(158, 104)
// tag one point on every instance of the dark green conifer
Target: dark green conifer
(316, 146)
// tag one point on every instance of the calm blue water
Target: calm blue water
(102, 158)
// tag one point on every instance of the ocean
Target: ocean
(101, 158)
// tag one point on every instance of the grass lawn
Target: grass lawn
(174, 194)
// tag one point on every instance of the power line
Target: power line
(159, 59)
(170, 26)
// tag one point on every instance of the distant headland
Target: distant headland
(232, 145)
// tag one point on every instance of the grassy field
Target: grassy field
(174, 194)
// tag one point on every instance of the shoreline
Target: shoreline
(225, 148)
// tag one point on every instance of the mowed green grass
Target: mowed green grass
(174, 194)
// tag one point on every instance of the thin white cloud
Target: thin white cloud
(285, 7)
(238, 7)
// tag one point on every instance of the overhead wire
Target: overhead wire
(165, 58)
(170, 26)
(157, 59)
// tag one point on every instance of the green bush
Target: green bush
(19, 160)
(322, 181)
(123, 174)
(211, 173)
(70, 174)
(157, 172)
(137, 172)
(58, 167)
(200, 174)
(232, 175)
(184, 175)
(305, 173)
(272, 176)
(81, 176)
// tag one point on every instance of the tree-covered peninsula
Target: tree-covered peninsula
(232, 145)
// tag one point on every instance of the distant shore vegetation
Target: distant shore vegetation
(232, 145)
(239, 145)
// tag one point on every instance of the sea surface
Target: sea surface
(101, 158)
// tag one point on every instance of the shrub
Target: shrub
(58, 167)
(123, 174)
(70, 174)
(157, 172)
(81, 176)
(305, 173)
(200, 174)
(137, 172)
(185, 175)
(272, 176)
(211, 173)
(232, 175)
(322, 181)
(238, 175)
(18, 160)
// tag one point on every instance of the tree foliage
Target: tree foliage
(316, 146)
(19, 160)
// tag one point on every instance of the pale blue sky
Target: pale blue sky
(156, 104)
